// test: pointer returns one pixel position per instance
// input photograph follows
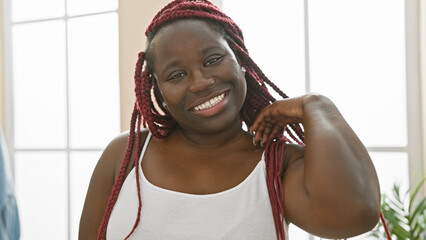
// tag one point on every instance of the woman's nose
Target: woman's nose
(200, 81)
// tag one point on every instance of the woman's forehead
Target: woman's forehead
(183, 31)
(185, 35)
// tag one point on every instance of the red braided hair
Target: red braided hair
(154, 116)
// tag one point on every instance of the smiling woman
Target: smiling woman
(201, 175)
(191, 58)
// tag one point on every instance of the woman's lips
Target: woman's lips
(212, 106)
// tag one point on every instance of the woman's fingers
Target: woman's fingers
(272, 119)
(268, 129)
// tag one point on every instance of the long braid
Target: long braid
(159, 124)
(191, 9)
(244, 55)
(120, 177)
(136, 166)
(274, 153)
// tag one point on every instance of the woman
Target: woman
(201, 175)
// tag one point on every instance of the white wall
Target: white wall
(134, 18)
(2, 100)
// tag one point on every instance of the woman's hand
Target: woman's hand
(273, 118)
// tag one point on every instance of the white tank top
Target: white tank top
(242, 212)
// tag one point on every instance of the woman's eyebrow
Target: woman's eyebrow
(205, 50)
(171, 64)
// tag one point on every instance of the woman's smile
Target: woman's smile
(211, 106)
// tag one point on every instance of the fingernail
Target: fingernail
(254, 143)
(261, 142)
(251, 131)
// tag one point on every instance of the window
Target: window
(353, 52)
(64, 107)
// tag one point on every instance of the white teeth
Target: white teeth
(210, 103)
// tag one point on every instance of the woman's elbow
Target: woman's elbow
(369, 214)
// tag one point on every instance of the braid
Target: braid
(138, 137)
(120, 177)
(159, 124)
(260, 78)
(149, 113)
(274, 153)
(191, 9)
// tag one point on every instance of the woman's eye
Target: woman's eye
(176, 76)
(213, 60)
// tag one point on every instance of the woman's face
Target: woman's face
(198, 75)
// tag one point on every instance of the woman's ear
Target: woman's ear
(157, 92)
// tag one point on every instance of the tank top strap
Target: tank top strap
(145, 145)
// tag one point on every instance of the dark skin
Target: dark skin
(331, 186)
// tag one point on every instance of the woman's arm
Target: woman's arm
(331, 187)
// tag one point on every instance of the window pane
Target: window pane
(359, 62)
(82, 165)
(39, 84)
(274, 37)
(391, 168)
(41, 192)
(93, 76)
(24, 10)
(77, 7)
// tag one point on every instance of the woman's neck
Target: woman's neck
(229, 138)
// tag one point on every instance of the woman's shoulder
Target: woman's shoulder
(114, 153)
(116, 150)
(102, 182)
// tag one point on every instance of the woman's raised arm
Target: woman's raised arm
(330, 185)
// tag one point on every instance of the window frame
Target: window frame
(413, 92)
(8, 90)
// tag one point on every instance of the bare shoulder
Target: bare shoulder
(118, 147)
(113, 155)
(101, 184)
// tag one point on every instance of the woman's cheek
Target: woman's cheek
(173, 94)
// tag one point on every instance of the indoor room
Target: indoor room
(67, 89)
